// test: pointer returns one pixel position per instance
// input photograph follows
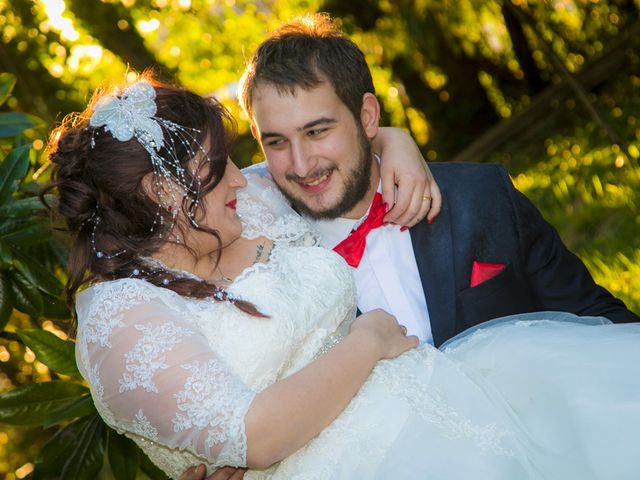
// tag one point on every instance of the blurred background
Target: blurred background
(548, 88)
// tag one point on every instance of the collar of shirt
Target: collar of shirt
(333, 231)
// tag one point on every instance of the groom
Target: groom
(310, 97)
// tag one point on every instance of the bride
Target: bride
(212, 329)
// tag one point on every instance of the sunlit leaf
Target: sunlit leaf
(26, 297)
(7, 82)
(55, 353)
(12, 169)
(6, 300)
(31, 404)
(123, 456)
(87, 458)
(14, 123)
(79, 407)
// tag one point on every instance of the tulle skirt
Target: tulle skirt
(537, 396)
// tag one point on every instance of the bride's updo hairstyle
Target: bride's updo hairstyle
(115, 220)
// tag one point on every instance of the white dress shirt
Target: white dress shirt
(387, 276)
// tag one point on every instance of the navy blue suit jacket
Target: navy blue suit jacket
(485, 219)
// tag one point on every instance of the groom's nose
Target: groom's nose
(301, 159)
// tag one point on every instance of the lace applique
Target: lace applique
(142, 426)
(431, 405)
(142, 362)
(212, 398)
(105, 314)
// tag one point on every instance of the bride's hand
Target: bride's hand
(418, 196)
(384, 330)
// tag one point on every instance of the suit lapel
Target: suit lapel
(433, 249)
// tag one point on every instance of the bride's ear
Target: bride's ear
(154, 191)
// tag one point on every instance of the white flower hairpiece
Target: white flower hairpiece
(131, 114)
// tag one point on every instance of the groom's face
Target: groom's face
(318, 155)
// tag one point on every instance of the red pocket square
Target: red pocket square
(481, 272)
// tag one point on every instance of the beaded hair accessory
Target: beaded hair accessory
(131, 114)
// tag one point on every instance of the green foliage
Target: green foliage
(31, 404)
(57, 354)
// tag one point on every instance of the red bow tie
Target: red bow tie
(352, 247)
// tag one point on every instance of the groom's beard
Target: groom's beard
(356, 185)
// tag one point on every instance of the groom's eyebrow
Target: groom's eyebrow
(313, 123)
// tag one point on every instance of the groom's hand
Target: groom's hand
(225, 473)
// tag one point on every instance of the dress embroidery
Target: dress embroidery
(146, 357)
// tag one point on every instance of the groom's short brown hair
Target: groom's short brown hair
(305, 52)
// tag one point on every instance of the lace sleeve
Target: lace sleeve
(154, 375)
(264, 211)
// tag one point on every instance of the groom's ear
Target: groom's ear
(370, 114)
(255, 132)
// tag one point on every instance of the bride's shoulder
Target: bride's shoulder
(121, 294)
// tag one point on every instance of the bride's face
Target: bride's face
(218, 212)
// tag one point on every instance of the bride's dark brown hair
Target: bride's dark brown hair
(97, 176)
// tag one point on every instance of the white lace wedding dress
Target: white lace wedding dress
(523, 398)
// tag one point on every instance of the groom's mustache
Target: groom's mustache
(310, 177)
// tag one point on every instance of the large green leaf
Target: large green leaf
(14, 123)
(7, 82)
(87, 458)
(31, 404)
(57, 450)
(54, 308)
(80, 407)
(55, 353)
(21, 208)
(5, 255)
(25, 231)
(12, 169)
(123, 456)
(26, 297)
(36, 273)
(6, 300)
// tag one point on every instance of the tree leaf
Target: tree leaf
(31, 404)
(55, 353)
(25, 231)
(26, 297)
(36, 273)
(7, 82)
(57, 450)
(79, 407)
(123, 456)
(6, 300)
(22, 208)
(12, 169)
(14, 123)
(54, 308)
(86, 460)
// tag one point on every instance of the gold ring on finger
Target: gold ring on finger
(426, 197)
(404, 329)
